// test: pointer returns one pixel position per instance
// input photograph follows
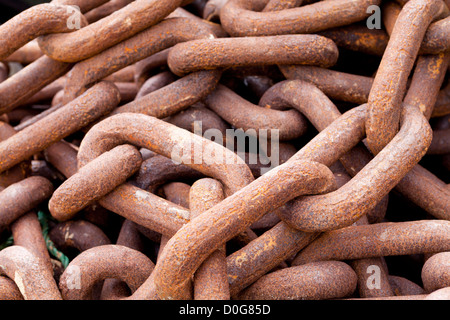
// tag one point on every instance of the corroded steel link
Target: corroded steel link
(159, 170)
(94, 180)
(335, 210)
(26, 54)
(27, 232)
(385, 99)
(41, 19)
(210, 279)
(199, 55)
(130, 237)
(244, 115)
(442, 106)
(410, 176)
(105, 10)
(4, 71)
(441, 294)
(156, 82)
(107, 32)
(34, 281)
(239, 17)
(63, 157)
(174, 97)
(48, 92)
(84, 5)
(436, 272)
(9, 290)
(404, 287)
(431, 196)
(198, 112)
(436, 38)
(378, 240)
(167, 140)
(211, 11)
(426, 81)
(215, 28)
(18, 88)
(277, 5)
(359, 38)
(103, 262)
(83, 235)
(146, 209)
(440, 143)
(94, 103)
(233, 215)
(21, 197)
(336, 85)
(150, 66)
(18, 172)
(314, 281)
(133, 203)
(278, 244)
(146, 43)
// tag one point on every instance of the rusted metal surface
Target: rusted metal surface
(79, 234)
(96, 102)
(378, 240)
(239, 17)
(21, 197)
(105, 33)
(210, 279)
(435, 272)
(308, 282)
(169, 275)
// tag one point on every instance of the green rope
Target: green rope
(43, 218)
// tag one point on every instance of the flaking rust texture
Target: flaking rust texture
(225, 150)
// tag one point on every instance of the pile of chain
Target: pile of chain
(115, 128)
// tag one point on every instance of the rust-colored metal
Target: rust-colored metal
(313, 281)
(21, 197)
(41, 19)
(20, 87)
(100, 263)
(436, 272)
(129, 236)
(359, 38)
(441, 294)
(210, 279)
(385, 99)
(404, 287)
(26, 54)
(94, 103)
(33, 279)
(440, 143)
(198, 55)
(378, 240)
(79, 234)
(242, 114)
(18, 172)
(436, 39)
(9, 290)
(232, 216)
(167, 140)
(4, 72)
(105, 9)
(240, 17)
(150, 41)
(156, 82)
(107, 32)
(27, 232)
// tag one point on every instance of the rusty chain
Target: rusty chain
(217, 150)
